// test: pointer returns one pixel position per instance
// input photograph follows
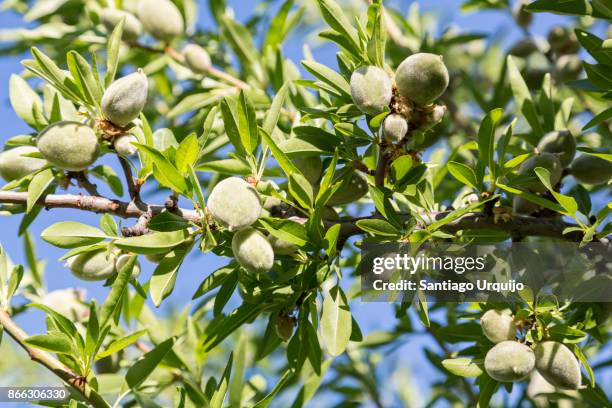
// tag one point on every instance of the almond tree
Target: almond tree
(407, 137)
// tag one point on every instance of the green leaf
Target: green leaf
(334, 17)
(216, 332)
(463, 173)
(217, 398)
(108, 175)
(384, 206)
(534, 198)
(214, 280)
(63, 323)
(24, 100)
(33, 263)
(70, 234)
(311, 385)
(487, 387)
(326, 181)
(167, 222)
(225, 293)
(195, 182)
(310, 342)
(423, 309)
(121, 343)
(378, 34)
(286, 230)
(187, 153)
(48, 70)
(108, 225)
(585, 362)
(595, 46)
(112, 53)
(155, 243)
(54, 342)
(460, 332)
(336, 322)
(301, 189)
(282, 382)
(571, 7)
(231, 127)
(274, 112)
(231, 167)
(568, 203)
(283, 161)
(522, 97)
(241, 41)
(331, 78)
(599, 75)
(503, 142)
(599, 118)
(486, 143)
(84, 78)
(164, 277)
(112, 303)
(311, 140)
(378, 227)
(237, 384)
(14, 281)
(281, 25)
(37, 187)
(463, 367)
(139, 372)
(247, 123)
(168, 175)
(400, 168)
(331, 240)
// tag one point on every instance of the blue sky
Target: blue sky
(370, 316)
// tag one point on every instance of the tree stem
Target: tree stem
(133, 189)
(518, 225)
(51, 363)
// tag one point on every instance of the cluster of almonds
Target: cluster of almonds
(419, 80)
(563, 47)
(236, 205)
(74, 146)
(163, 21)
(99, 265)
(510, 361)
(554, 152)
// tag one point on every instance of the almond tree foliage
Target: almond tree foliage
(183, 109)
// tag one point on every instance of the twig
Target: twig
(84, 182)
(51, 363)
(140, 228)
(178, 57)
(381, 167)
(133, 188)
(228, 78)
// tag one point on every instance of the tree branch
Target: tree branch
(517, 225)
(93, 204)
(51, 363)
